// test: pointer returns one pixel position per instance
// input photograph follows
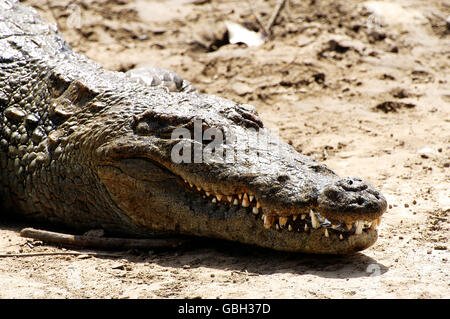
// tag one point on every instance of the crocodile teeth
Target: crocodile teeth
(245, 202)
(314, 221)
(268, 221)
(283, 221)
(374, 225)
(359, 227)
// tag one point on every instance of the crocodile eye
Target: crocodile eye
(152, 122)
(244, 114)
(249, 116)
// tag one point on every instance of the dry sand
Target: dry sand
(362, 86)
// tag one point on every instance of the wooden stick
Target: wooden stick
(106, 243)
(275, 14)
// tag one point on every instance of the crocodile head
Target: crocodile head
(100, 150)
(202, 165)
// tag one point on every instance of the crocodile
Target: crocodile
(84, 148)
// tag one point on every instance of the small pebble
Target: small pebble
(83, 256)
(122, 266)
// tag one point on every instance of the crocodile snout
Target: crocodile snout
(350, 199)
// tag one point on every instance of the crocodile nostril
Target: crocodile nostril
(283, 178)
(352, 184)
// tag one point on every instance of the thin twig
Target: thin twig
(287, 9)
(257, 17)
(106, 243)
(275, 14)
(438, 16)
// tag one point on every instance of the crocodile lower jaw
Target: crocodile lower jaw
(303, 222)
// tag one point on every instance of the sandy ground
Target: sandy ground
(361, 86)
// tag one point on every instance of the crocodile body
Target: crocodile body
(86, 148)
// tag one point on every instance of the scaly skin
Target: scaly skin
(88, 148)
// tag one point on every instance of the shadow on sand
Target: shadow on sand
(225, 255)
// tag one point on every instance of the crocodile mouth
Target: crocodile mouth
(305, 221)
(164, 201)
